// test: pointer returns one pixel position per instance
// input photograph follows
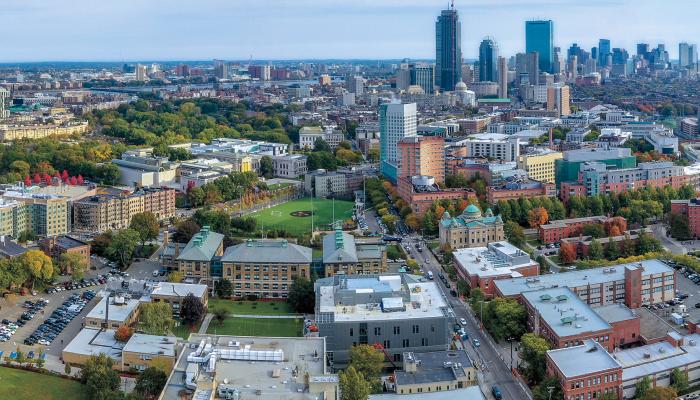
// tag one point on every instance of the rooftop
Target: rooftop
(588, 358)
(9, 248)
(572, 279)
(433, 367)
(471, 393)
(499, 258)
(564, 312)
(117, 312)
(339, 247)
(202, 246)
(594, 154)
(178, 289)
(152, 344)
(267, 251)
(564, 222)
(91, 342)
(658, 357)
(251, 377)
(613, 313)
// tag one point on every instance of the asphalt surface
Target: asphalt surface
(494, 370)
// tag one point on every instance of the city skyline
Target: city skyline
(321, 29)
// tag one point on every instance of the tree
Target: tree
(541, 391)
(74, 263)
(156, 318)
(185, 230)
(537, 216)
(647, 243)
(192, 309)
(27, 235)
(38, 264)
(595, 250)
(679, 226)
(122, 246)
(150, 382)
(146, 225)
(679, 379)
(533, 349)
(195, 197)
(123, 333)
(617, 222)
(660, 393)
(567, 253)
(67, 369)
(514, 233)
(368, 361)
(266, 169)
(220, 314)
(611, 250)
(642, 386)
(301, 296)
(353, 385)
(505, 318)
(99, 377)
(223, 288)
(321, 145)
(176, 277)
(593, 230)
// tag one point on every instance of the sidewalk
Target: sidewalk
(294, 316)
(205, 324)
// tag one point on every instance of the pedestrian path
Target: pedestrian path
(293, 316)
(205, 324)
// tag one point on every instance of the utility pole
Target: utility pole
(510, 339)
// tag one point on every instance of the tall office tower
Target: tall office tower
(572, 68)
(619, 62)
(527, 68)
(421, 155)
(220, 69)
(467, 73)
(539, 37)
(403, 77)
(559, 64)
(423, 75)
(603, 52)
(594, 53)
(355, 84)
(4, 98)
(396, 121)
(141, 71)
(643, 50)
(488, 60)
(687, 54)
(502, 78)
(558, 99)
(448, 49)
(182, 70)
(591, 66)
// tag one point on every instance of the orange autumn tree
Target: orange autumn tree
(537, 216)
(567, 253)
(615, 226)
(123, 333)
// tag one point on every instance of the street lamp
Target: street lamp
(550, 389)
(510, 339)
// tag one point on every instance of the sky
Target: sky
(130, 30)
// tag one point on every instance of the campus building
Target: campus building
(140, 168)
(401, 313)
(515, 187)
(555, 231)
(482, 266)
(342, 254)
(45, 215)
(539, 165)
(308, 135)
(422, 155)
(470, 229)
(567, 168)
(341, 183)
(174, 293)
(106, 212)
(634, 284)
(493, 145)
(265, 268)
(420, 192)
(690, 208)
(199, 257)
(56, 246)
(434, 371)
(290, 166)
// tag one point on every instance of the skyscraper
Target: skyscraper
(643, 50)
(448, 49)
(423, 75)
(527, 68)
(687, 54)
(558, 99)
(396, 121)
(502, 78)
(488, 60)
(539, 38)
(603, 52)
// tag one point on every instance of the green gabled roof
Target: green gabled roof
(202, 246)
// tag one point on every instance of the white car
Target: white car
(44, 342)
(155, 273)
(463, 321)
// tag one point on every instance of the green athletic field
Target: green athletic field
(279, 216)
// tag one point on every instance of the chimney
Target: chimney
(551, 138)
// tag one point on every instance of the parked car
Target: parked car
(463, 321)
(496, 392)
(476, 342)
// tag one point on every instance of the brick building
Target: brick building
(690, 208)
(555, 231)
(420, 192)
(59, 245)
(583, 243)
(422, 155)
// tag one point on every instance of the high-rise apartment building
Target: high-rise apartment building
(4, 98)
(687, 54)
(221, 69)
(355, 84)
(603, 52)
(422, 155)
(502, 78)
(558, 97)
(423, 75)
(488, 60)
(141, 72)
(448, 49)
(396, 121)
(539, 38)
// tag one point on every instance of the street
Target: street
(493, 370)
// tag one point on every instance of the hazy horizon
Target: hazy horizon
(131, 30)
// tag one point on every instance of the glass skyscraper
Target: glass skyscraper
(603, 52)
(488, 60)
(448, 50)
(539, 37)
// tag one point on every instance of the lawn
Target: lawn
(183, 331)
(280, 216)
(395, 252)
(252, 307)
(283, 327)
(276, 186)
(24, 385)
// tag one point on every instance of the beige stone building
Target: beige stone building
(540, 165)
(343, 255)
(470, 229)
(104, 212)
(195, 260)
(265, 268)
(16, 132)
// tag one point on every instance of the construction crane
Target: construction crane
(381, 348)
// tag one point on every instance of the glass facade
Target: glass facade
(448, 50)
(539, 37)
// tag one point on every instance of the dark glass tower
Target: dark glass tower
(603, 52)
(448, 50)
(539, 38)
(488, 60)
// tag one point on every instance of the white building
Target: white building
(308, 136)
(493, 145)
(289, 166)
(396, 121)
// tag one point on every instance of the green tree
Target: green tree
(266, 169)
(679, 379)
(541, 391)
(75, 263)
(514, 233)
(27, 235)
(146, 225)
(642, 386)
(627, 247)
(533, 349)
(595, 250)
(368, 361)
(593, 230)
(679, 226)
(184, 230)
(123, 246)
(195, 197)
(659, 393)
(301, 296)
(611, 250)
(220, 314)
(353, 385)
(503, 209)
(150, 382)
(321, 145)
(99, 377)
(558, 211)
(192, 309)
(223, 288)
(156, 318)
(647, 243)
(505, 318)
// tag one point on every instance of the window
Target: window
(377, 331)
(397, 330)
(405, 343)
(416, 329)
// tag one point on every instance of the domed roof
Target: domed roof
(472, 211)
(460, 87)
